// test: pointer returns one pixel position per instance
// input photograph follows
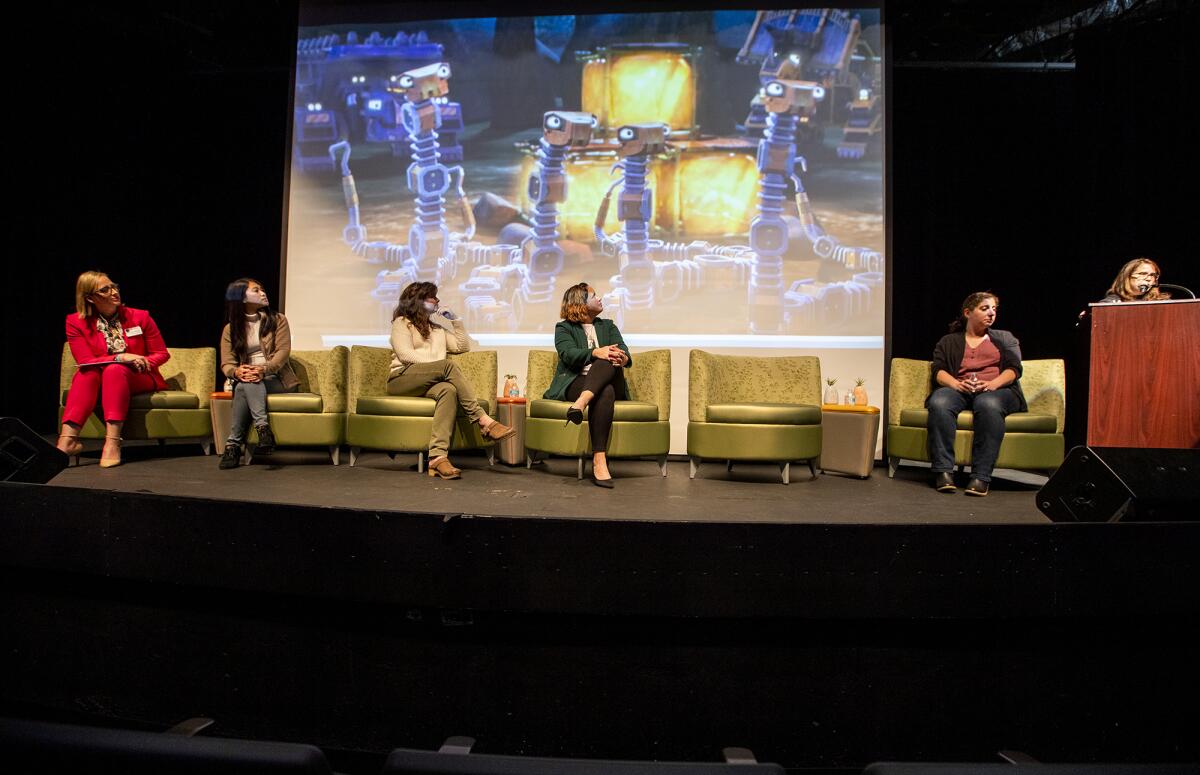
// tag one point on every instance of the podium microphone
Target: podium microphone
(1188, 291)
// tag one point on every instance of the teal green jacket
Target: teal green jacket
(574, 354)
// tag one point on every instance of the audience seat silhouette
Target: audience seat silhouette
(45, 747)
(455, 758)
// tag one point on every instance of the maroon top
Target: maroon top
(983, 360)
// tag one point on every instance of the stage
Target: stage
(749, 493)
(822, 624)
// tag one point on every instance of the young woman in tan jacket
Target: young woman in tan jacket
(255, 345)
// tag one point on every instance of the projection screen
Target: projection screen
(716, 176)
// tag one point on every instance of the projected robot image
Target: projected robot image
(721, 175)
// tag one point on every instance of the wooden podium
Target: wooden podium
(1145, 375)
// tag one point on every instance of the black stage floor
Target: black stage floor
(750, 493)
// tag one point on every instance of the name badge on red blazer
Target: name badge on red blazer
(135, 331)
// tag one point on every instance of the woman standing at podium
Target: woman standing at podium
(975, 367)
(1137, 281)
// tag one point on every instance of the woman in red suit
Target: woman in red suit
(119, 350)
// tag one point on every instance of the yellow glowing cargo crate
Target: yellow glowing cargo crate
(641, 83)
(702, 188)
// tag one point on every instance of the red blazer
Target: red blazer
(88, 346)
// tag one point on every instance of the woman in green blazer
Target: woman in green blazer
(591, 360)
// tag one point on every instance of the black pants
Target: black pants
(606, 382)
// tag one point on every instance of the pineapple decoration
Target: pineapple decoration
(860, 392)
(831, 396)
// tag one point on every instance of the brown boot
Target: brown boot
(497, 431)
(440, 466)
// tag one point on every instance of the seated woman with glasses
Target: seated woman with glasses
(975, 367)
(591, 360)
(255, 345)
(1137, 281)
(422, 336)
(119, 350)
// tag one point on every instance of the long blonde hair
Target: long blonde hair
(85, 286)
(1120, 286)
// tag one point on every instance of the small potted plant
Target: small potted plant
(831, 396)
(860, 392)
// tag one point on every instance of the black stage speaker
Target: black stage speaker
(26, 456)
(1110, 484)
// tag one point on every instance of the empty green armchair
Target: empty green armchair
(315, 415)
(404, 423)
(1033, 440)
(179, 412)
(641, 426)
(752, 408)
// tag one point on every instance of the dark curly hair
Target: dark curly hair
(411, 306)
(971, 302)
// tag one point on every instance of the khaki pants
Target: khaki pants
(445, 383)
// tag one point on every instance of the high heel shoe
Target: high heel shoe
(444, 469)
(110, 462)
(605, 483)
(69, 445)
(575, 416)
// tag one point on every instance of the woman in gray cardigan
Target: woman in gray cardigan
(975, 367)
(592, 358)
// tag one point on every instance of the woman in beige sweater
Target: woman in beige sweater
(422, 337)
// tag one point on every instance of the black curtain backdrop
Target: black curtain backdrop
(170, 176)
(1040, 185)
(164, 167)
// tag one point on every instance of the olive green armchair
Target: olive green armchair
(641, 426)
(751, 408)
(179, 412)
(404, 423)
(1033, 440)
(315, 416)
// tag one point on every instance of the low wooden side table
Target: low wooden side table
(220, 407)
(510, 410)
(848, 435)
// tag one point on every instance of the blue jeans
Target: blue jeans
(989, 409)
(250, 403)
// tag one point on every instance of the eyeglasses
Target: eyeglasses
(108, 290)
(1145, 275)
